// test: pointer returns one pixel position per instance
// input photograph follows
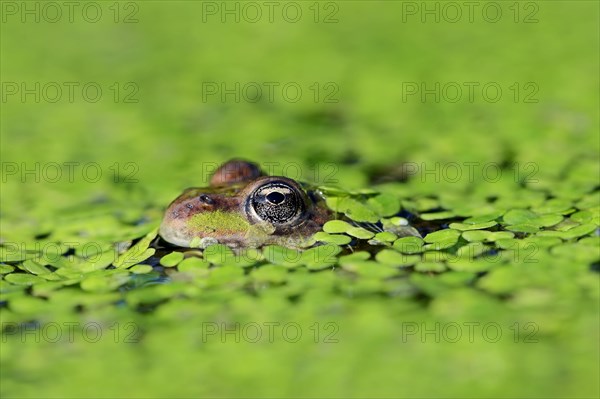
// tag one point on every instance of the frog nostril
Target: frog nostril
(275, 197)
(206, 199)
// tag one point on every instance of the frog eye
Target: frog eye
(278, 202)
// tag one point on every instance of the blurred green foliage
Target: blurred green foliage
(515, 253)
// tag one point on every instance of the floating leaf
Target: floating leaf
(33, 267)
(519, 216)
(337, 239)
(483, 218)
(138, 253)
(437, 215)
(275, 274)
(385, 204)
(218, 254)
(546, 220)
(442, 239)
(320, 257)
(356, 210)
(354, 257)
(141, 269)
(370, 269)
(436, 267)
(523, 228)
(395, 258)
(409, 245)
(282, 256)
(554, 205)
(360, 233)
(192, 263)
(336, 226)
(4, 269)
(386, 236)
(104, 282)
(476, 235)
(23, 279)
(472, 226)
(580, 231)
(172, 259)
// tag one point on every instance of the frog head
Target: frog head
(243, 207)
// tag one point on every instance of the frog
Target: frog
(243, 207)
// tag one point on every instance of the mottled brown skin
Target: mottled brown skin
(222, 212)
(235, 171)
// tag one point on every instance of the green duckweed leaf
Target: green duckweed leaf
(472, 226)
(472, 250)
(320, 257)
(580, 231)
(138, 253)
(438, 215)
(32, 266)
(554, 205)
(28, 305)
(386, 236)
(23, 279)
(226, 275)
(498, 235)
(472, 265)
(409, 245)
(476, 235)
(283, 256)
(384, 204)
(357, 211)
(587, 216)
(546, 220)
(523, 228)
(354, 257)
(5, 269)
(360, 233)
(141, 269)
(442, 239)
(425, 267)
(396, 259)
(370, 269)
(218, 254)
(274, 274)
(337, 239)
(172, 259)
(336, 226)
(104, 282)
(484, 218)
(193, 263)
(519, 216)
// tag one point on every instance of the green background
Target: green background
(174, 133)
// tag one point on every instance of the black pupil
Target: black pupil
(275, 198)
(206, 199)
